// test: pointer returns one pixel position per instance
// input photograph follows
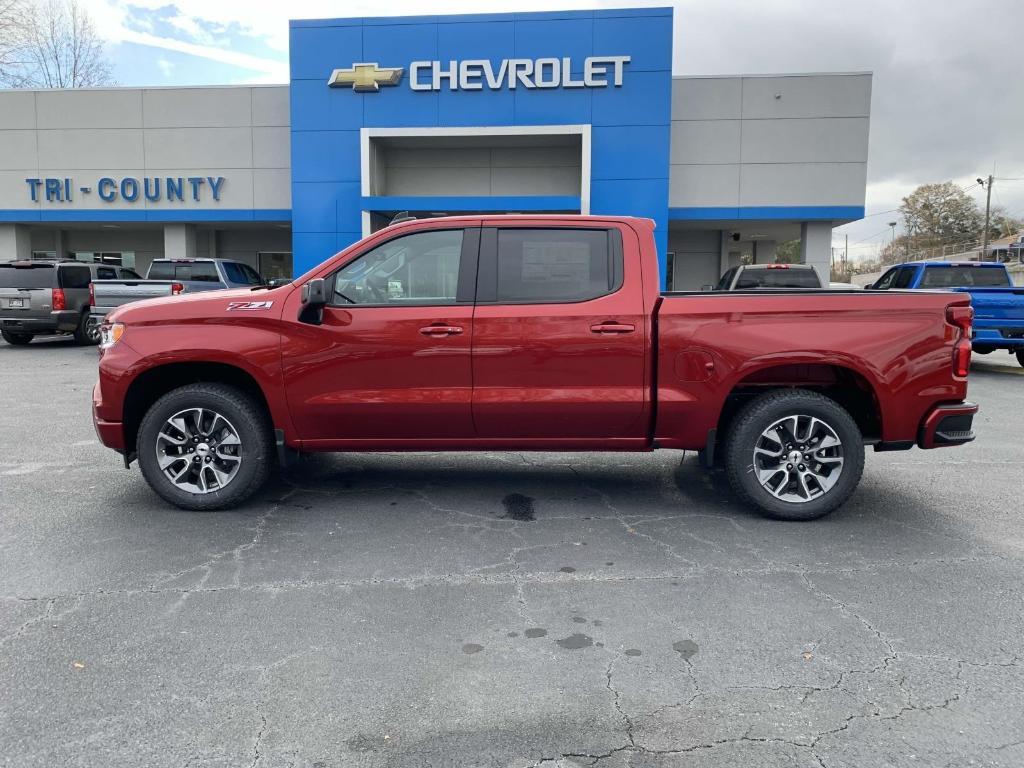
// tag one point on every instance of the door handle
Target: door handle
(612, 328)
(441, 330)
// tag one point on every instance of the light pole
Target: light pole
(987, 185)
(892, 244)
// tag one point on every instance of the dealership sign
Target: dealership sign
(481, 74)
(128, 189)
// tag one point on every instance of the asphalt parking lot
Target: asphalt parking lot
(503, 609)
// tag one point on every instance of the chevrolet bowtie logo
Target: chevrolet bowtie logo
(365, 77)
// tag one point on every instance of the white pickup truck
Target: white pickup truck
(170, 277)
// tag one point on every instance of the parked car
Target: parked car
(529, 333)
(48, 297)
(171, 277)
(998, 303)
(751, 277)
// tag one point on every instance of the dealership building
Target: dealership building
(574, 111)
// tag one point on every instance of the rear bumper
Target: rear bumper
(54, 322)
(1008, 334)
(947, 425)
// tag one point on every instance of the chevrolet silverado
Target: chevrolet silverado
(529, 333)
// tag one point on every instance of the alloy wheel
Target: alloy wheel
(199, 450)
(798, 458)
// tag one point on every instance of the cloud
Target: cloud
(165, 66)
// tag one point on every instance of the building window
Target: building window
(114, 258)
(273, 266)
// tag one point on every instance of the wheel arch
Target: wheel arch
(848, 387)
(153, 383)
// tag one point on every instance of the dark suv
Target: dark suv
(46, 297)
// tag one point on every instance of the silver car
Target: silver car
(47, 297)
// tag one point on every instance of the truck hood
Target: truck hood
(195, 306)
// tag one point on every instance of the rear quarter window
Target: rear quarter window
(964, 277)
(34, 276)
(75, 277)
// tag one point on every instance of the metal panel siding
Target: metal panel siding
(629, 154)
(787, 142)
(90, 108)
(17, 109)
(196, 107)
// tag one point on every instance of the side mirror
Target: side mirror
(869, 287)
(314, 293)
(707, 288)
(314, 299)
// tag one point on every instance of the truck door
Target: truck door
(390, 360)
(559, 334)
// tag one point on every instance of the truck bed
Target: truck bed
(896, 345)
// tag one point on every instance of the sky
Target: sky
(948, 90)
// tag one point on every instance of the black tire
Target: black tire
(1020, 356)
(983, 350)
(16, 339)
(249, 420)
(87, 332)
(761, 414)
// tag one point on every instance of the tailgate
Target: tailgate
(113, 293)
(997, 303)
(16, 301)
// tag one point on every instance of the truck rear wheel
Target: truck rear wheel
(16, 339)
(794, 454)
(205, 447)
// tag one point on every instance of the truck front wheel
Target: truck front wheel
(1020, 356)
(794, 454)
(205, 446)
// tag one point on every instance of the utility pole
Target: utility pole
(892, 243)
(987, 184)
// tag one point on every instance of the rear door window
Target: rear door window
(778, 278)
(964, 277)
(72, 277)
(28, 276)
(556, 265)
(904, 277)
(726, 281)
(241, 274)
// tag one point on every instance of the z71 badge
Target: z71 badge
(250, 306)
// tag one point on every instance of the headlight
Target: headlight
(110, 334)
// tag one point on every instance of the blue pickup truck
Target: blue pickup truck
(998, 304)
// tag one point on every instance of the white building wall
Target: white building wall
(238, 132)
(791, 140)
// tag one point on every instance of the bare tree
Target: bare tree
(55, 45)
(14, 19)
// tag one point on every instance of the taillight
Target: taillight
(59, 302)
(961, 317)
(92, 295)
(177, 288)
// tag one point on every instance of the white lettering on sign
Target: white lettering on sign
(477, 74)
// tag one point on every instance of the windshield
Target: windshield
(27, 276)
(964, 276)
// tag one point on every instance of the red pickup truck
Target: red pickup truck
(529, 333)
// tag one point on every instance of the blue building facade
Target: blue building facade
(602, 76)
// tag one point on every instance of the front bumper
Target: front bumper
(947, 425)
(110, 433)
